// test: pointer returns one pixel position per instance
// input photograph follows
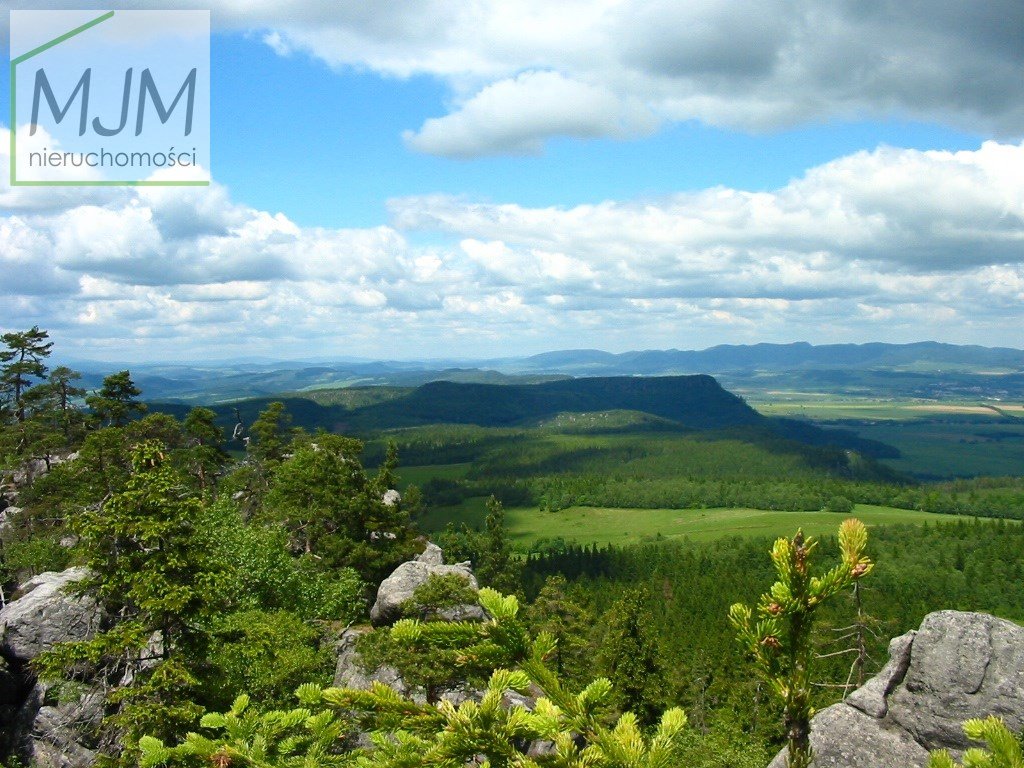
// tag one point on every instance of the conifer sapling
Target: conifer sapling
(779, 641)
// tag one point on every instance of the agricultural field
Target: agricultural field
(829, 408)
(937, 440)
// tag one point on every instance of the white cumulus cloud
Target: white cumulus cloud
(872, 245)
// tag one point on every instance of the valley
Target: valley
(601, 502)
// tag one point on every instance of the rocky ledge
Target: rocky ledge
(954, 667)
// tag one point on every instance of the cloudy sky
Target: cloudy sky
(428, 178)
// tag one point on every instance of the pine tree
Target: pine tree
(780, 642)
(386, 477)
(630, 656)
(333, 512)
(271, 433)
(22, 364)
(116, 399)
(50, 423)
(150, 573)
(204, 454)
(64, 391)
(556, 613)
(495, 566)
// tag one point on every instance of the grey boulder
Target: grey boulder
(399, 587)
(351, 673)
(6, 518)
(955, 667)
(45, 614)
(963, 665)
(57, 735)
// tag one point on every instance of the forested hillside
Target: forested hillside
(214, 573)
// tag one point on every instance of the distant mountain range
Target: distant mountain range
(924, 369)
(919, 357)
(695, 402)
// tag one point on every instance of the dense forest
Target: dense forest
(617, 459)
(225, 571)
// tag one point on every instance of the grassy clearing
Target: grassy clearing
(602, 525)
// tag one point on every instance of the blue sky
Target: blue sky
(429, 179)
(353, 123)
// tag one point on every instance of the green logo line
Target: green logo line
(14, 84)
(14, 123)
(62, 38)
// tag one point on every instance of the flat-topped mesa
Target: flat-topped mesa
(956, 666)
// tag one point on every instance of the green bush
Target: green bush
(267, 654)
(839, 504)
(437, 593)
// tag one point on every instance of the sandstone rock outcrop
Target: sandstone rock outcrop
(55, 735)
(399, 587)
(350, 672)
(32, 469)
(6, 516)
(41, 732)
(44, 614)
(954, 667)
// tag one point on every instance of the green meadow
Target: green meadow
(603, 525)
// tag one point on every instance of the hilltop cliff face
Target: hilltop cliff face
(698, 402)
(954, 667)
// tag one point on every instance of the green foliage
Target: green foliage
(554, 468)
(839, 504)
(102, 469)
(38, 418)
(441, 656)
(64, 392)
(30, 547)
(116, 400)
(267, 654)
(1004, 749)
(438, 592)
(411, 735)
(149, 567)
(294, 738)
(204, 454)
(631, 656)
(259, 573)
(489, 550)
(333, 512)
(271, 433)
(962, 564)
(495, 566)
(780, 642)
(557, 614)
(21, 363)
(723, 745)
